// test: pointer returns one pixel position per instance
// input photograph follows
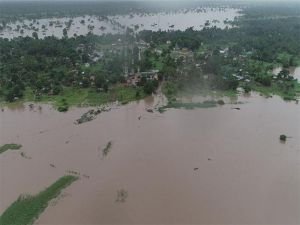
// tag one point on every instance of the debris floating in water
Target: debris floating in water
(107, 148)
(149, 110)
(121, 195)
(91, 114)
(283, 137)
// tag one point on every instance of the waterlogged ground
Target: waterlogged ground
(294, 71)
(180, 20)
(203, 166)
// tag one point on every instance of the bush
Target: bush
(247, 88)
(150, 86)
(64, 106)
(264, 80)
(220, 102)
(282, 137)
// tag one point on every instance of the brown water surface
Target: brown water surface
(202, 166)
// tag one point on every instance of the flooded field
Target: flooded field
(295, 72)
(203, 166)
(181, 20)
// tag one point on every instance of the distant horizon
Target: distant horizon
(150, 1)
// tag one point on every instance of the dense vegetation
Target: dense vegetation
(53, 67)
(92, 69)
(26, 209)
(242, 56)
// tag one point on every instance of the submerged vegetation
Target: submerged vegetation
(122, 195)
(6, 147)
(283, 137)
(188, 105)
(26, 209)
(92, 114)
(107, 148)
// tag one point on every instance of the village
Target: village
(133, 57)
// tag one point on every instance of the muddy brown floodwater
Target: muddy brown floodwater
(202, 166)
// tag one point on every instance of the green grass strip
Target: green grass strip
(189, 105)
(6, 147)
(27, 209)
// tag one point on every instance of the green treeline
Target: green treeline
(213, 58)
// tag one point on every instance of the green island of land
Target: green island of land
(26, 209)
(7, 147)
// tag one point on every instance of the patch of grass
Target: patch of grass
(117, 93)
(188, 105)
(97, 98)
(26, 209)
(127, 94)
(86, 97)
(6, 147)
(69, 97)
(63, 106)
(170, 89)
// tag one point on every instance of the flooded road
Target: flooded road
(203, 166)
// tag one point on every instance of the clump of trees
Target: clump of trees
(283, 137)
(46, 66)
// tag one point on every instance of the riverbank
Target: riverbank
(82, 97)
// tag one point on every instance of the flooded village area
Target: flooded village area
(198, 18)
(155, 157)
